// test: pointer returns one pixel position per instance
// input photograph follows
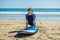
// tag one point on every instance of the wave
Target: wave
(27, 12)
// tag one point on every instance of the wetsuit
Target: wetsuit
(30, 19)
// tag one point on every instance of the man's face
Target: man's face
(30, 12)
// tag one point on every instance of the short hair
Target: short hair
(30, 9)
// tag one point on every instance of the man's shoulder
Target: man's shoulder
(26, 14)
(33, 14)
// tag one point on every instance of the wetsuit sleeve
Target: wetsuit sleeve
(34, 17)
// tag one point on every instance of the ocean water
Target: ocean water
(19, 13)
(34, 9)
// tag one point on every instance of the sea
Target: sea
(19, 13)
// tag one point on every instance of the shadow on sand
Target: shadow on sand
(20, 35)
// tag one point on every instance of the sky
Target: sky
(29, 3)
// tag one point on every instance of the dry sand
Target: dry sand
(48, 30)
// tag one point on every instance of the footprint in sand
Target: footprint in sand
(57, 39)
(59, 28)
(2, 39)
(17, 39)
(52, 29)
(39, 37)
(25, 39)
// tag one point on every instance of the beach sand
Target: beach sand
(48, 30)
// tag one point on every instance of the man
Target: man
(30, 18)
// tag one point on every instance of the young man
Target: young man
(30, 18)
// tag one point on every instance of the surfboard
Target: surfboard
(29, 30)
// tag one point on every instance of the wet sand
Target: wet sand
(48, 30)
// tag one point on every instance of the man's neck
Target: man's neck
(29, 14)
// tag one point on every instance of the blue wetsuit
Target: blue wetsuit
(30, 19)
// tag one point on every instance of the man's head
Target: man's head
(30, 11)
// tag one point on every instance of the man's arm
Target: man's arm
(34, 23)
(26, 23)
(34, 17)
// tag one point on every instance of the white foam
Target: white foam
(27, 12)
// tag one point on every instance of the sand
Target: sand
(48, 30)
